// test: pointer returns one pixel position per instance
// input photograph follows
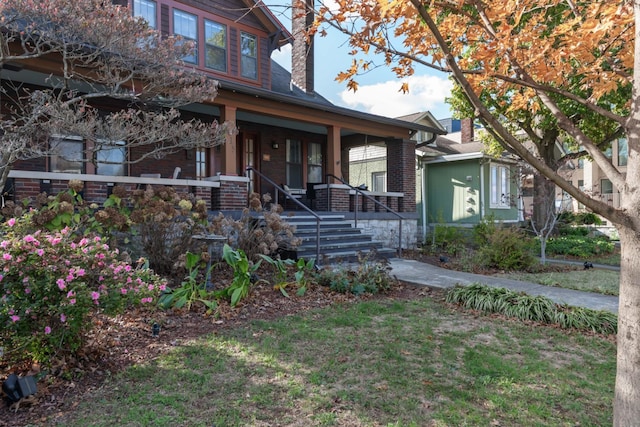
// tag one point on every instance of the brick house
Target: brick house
(286, 131)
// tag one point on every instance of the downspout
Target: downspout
(482, 190)
(424, 202)
(520, 198)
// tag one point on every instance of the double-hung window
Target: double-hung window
(111, 159)
(314, 162)
(145, 9)
(201, 163)
(294, 163)
(249, 52)
(215, 39)
(500, 197)
(186, 25)
(67, 154)
(623, 152)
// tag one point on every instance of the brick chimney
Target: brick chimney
(302, 61)
(466, 130)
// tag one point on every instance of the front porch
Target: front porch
(229, 194)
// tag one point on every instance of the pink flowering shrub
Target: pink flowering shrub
(50, 283)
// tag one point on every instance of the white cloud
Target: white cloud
(283, 56)
(426, 93)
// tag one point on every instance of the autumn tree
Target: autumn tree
(569, 63)
(61, 58)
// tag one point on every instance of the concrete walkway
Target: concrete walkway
(421, 273)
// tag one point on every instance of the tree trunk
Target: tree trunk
(543, 250)
(626, 409)
(544, 199)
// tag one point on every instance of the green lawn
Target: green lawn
(387, 363)
(592, 280)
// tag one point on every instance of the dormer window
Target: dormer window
(215, 37)
(186, 25)
(145, 9)
(249, 52)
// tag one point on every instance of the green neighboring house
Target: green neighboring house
(462, 185)
(456, 183)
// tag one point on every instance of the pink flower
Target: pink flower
(40, 252)
(162, 287)
(15, 318)
(95, 295)
(47, 330)
(146, 300)
(63, 318)
(61, 284)
(123, 291)
(28, 238)
(4, 244)
(70, 294)
(80, 272)
(72, 301)
(150, 287)
(6, 257)
(11, 222)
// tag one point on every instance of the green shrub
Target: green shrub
(535, 308)
(579, 246)
(447, 239)
(506, 249)
(484, 229)
(52, 282)
(587, 218)
(567, 230)
(371, 277)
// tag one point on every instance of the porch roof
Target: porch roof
(284, 93)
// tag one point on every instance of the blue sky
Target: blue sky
(378, 92)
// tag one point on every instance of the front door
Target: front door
(248, 154)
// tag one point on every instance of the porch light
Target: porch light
(274, 145)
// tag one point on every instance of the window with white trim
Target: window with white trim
(186, 25)
(500, 197)
(379, 181)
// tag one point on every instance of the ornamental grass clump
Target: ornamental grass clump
(535, 308)
(52, 282)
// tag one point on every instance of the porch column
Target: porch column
(401, 172)
(229, 149)
(334, 159)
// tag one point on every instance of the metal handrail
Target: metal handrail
(355, 210)
(296, 201)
